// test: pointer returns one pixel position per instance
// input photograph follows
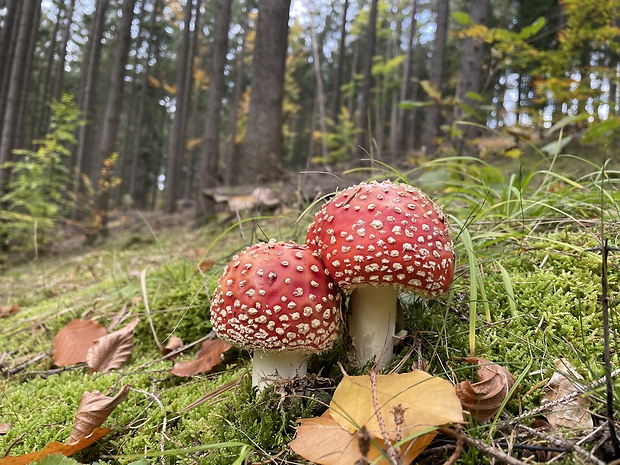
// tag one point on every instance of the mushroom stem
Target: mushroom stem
(268, 365)
(372, 323)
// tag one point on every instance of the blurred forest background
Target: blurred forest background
(116, 104)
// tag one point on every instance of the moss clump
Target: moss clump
(265, 420)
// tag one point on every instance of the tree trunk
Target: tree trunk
(8, 38)
(23, 138)
(137, 136)
(320, 93)
(45, 83)
(470, 68)
(263, 145)
(402, 116)
(60, 70)
(340, 63)
(208, 173)
(105, 172)
(362, 147)
(432, 120)
(16, 82)
(231, 148)
(177, 136)
(83, 157)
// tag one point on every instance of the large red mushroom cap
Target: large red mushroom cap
(277, 296)
(385, 234)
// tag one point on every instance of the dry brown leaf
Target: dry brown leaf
(56, 448)
(73, 341)
(484, 398)
(173, 344)
(427, 401)
(322, 440)
(92, 411)
(5, 428)
(111, 351)
(573, 413)
(210, 355)
(8, 310)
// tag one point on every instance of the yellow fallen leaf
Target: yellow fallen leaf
(427, 401)
(323, 441)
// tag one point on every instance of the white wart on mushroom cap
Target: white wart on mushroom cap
(277, 296)
(384, 234)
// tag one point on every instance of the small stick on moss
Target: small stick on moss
(399, 419)
(607, 353)
(458, 450)
(559, 442)
(162, 443)
(392, 453)
(148, 310)
(581, 389)
(363, 441)
(483, 447)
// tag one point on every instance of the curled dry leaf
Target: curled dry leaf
(573, 413)
(8, 310)
(484, 398)
(173, 344)
(322, 440)
(210, 355)
(93, 410)
(56, 448)
(427, 401)
(112, 350)
(74, 340)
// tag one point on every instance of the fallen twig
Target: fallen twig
(483, 447)
(162, 444)
(559, 442)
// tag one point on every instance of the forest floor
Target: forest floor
(527, 288)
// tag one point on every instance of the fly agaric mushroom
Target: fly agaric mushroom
(278, 300)
(376, 239)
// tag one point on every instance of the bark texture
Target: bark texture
(263, 145)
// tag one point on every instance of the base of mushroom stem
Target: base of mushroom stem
(268, 366)
(372, 324)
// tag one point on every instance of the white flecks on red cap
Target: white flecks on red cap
(277, 296)
(384, 234)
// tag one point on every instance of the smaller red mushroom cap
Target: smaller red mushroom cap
(386, 234)
(277, 296)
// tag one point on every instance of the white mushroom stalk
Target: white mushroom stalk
(269, 365)
(377, 239)
(278, 300)
(372, 323)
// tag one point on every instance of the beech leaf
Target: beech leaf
(92, 411)
(210, 355)
(573, 413)
(427, 401)
(323, 441)
(173, 343)
(112, 350)
(8, 310)
(484, 398)
(56, 448)
(73, 341)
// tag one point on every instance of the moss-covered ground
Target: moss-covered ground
(549, 308)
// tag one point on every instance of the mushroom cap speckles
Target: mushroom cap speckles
(277, 296)
(384, 234)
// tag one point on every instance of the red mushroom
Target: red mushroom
(278, 300)
(376, 239)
